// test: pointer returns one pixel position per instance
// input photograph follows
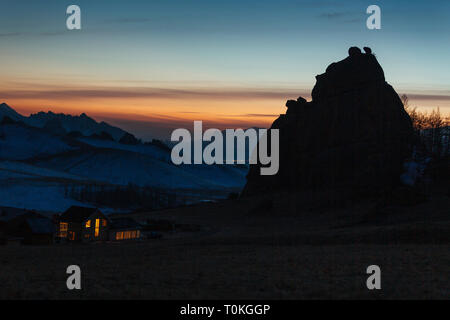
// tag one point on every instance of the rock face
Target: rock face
(353, 135)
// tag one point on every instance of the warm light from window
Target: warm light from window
(88, 224)
(97, 227)
(126, 235)
(104, 222)
(63, 227)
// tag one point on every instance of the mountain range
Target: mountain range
(66, 123)
(44, 155)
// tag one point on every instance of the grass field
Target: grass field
(243, 253)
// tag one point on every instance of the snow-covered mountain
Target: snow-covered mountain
(38, 165)
(62, 122)
(7, 111)
(20, 142)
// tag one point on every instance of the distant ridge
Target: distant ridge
(63, 122)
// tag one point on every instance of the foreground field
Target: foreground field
(246, 253)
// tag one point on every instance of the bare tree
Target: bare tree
(432, 128)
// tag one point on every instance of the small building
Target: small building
(9, 213)
(83, 224)
(32, 228)
(124, 229)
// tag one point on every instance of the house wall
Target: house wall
(76, 228)
(113, 234)
(72, 227)
(84, 233)
(88, 233)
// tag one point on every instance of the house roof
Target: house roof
(124, 223)
(77, 214)
(40, 225)
(8, 213)
(35, 223)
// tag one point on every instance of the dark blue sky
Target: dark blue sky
(217, 45)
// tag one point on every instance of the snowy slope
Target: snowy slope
(107, 161)
(150, 150)
(13, 169)
(121, 168)
(18, 142)
(41, 196)
(38, 166)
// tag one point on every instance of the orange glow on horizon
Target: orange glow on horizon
(258, 113)
(218, 107)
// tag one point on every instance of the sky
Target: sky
(153, 66)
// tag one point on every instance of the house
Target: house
(9, 213)
(124, 229)
(83, 224)
(31, 228)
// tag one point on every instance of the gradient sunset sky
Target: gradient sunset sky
(152, 66)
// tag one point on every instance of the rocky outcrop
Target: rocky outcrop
(353, 135)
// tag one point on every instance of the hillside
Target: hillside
(38, 166)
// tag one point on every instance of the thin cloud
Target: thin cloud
(137, 92)
(149, 92)
(43, 34)
(260, 115)
(128, 20)
(435, 97)
(11, 34)
(333, 15)
(343, 17)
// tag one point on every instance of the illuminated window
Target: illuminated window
(126, 235)
(88, 224)
(97, 227)
(71, 235)
(104, 222)
(63, 227)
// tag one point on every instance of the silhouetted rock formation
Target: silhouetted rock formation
(367, 50)
(353, 135)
